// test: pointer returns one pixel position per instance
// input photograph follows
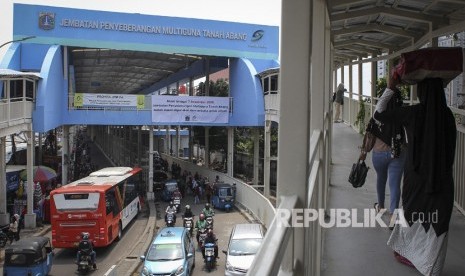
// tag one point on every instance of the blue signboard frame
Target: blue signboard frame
(123, 31)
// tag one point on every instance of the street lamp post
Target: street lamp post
(17, 40)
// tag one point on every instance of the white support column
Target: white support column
(374, 79)
(293, 171)
(319, 97)
(334, 80)
(267, 158)
(207, 146)
(360, 81)
(4, 215)
(149, 190)
(65, 157)
(256, 155)
(167, 140)
(350, 88)
(318, 69)
(40, 149)
(30, 217)
(178, 140)
(342, 75)
(191, 143)
(231, 151)
(139, 142)
(207, 129)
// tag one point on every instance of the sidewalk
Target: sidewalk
(363, 251)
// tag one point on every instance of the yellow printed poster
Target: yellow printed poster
(78, 99)
(140, 101)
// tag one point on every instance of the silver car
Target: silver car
(243, 244)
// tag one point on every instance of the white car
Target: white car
(243, 244)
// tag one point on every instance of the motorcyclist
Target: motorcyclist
(176, 193)
(211, 238)
(171, 209)
(85, 247)
(200, 224)
(188, 212)
(14, 228)
(208, 211)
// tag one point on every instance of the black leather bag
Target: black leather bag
(358, 174)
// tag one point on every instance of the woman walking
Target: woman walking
(428, 190)
(389, 155)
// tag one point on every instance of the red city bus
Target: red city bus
(103, 204)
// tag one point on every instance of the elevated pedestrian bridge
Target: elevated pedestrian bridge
(315, 162)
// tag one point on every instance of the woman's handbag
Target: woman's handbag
(358, 174)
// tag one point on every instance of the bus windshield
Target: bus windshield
(76, 201)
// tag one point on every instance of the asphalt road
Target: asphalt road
(106, 256)
(223, 224)
(63, 263)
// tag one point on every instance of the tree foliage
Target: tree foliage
(381, 84)
(220, 88)
(218, 136)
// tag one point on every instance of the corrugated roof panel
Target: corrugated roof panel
(9, 73)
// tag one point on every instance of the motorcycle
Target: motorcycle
(188, 223)
(177, 203)
(6, 235)
(210, 259)
(202, 236)
(209, 221)
(170, 220)
(85, 263)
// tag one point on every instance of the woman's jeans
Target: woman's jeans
(392, 169)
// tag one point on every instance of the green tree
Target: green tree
(381, 84)
(220, 88)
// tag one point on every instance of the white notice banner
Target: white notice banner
(184, 109)
(108, 100)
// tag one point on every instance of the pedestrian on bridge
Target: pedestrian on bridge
(339, 102)
(420, 237)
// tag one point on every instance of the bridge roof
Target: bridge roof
(361, 28)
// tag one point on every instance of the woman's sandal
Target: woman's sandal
(376, 206)
(403, 260)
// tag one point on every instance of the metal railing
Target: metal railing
(458, 171)
(15, 111)
(276, 255)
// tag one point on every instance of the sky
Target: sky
(263, 12)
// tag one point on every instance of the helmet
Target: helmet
(85, 235)
(188, 207)
(207, 205)
(210, 233)
(16, 216)
(201, 216)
